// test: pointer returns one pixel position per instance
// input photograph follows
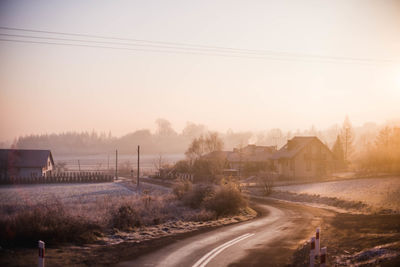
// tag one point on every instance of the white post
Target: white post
(312, 252)
(317, 244)
(323, 257)
(41, 254)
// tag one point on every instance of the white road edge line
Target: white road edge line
(213, 253)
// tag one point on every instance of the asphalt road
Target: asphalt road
(267, 241)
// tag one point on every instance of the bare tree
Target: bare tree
(60, 166)
(347, 138)
(203, 145)
(164, 128)
(265, 180)
(159, 163)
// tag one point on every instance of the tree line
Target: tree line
(345, 140)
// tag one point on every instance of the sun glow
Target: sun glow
(397, 80)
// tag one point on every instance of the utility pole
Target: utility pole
(116, 164)
(79, 165)
(138, 166)
(108, 162)
(345, 155)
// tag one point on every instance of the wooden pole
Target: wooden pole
(108, 162)
(138, 166)
(116, 164)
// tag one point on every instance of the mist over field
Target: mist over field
(166, 140)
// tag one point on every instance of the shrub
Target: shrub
(266, 182)
(195, 197)
(181, 188)
(125, 217)
(226, 200)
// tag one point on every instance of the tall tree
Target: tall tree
(203, 145)
(338, 152)
(347, 138)
(164, 128)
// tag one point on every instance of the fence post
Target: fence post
(323, 257)
(41, 253)
(317, 244)
(312, 252)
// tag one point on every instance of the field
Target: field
(82, 213)
(102, 162)
(66, 193)
(379, 193)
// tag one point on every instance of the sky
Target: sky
(47, 88)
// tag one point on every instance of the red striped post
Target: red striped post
(41, 253)
(323, 257)
(312, 251)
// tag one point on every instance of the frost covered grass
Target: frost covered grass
(86, 212)
(379, 193)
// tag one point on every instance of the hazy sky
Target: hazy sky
(49, 88)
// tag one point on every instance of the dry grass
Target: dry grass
(52, 223)
(79, 215)
(378, 193)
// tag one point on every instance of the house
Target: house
(24, 163)
(303, 157)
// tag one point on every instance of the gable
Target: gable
(297, 144)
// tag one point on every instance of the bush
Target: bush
(226, 200)
(195, 197)
(125, 217)
(181, 188)
(266, 182)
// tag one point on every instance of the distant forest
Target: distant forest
(165, 140)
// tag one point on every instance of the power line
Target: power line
(139, 40)
(123, 44)
(180, 48)
(122, 48)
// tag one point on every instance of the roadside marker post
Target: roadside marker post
(41, 253)
(323, 257)
(312, 252)
(317, 244)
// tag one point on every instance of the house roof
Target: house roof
(24, 158)
(294, 146)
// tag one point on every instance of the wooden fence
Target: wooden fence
(66, 177)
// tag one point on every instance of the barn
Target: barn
(24, 163)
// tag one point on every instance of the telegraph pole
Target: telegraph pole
(108, 162)
(347, 129)
(138, 166)
(116, 164)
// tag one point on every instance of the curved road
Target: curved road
(267, 241)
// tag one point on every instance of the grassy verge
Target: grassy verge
(77, 223)
(357, 240)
